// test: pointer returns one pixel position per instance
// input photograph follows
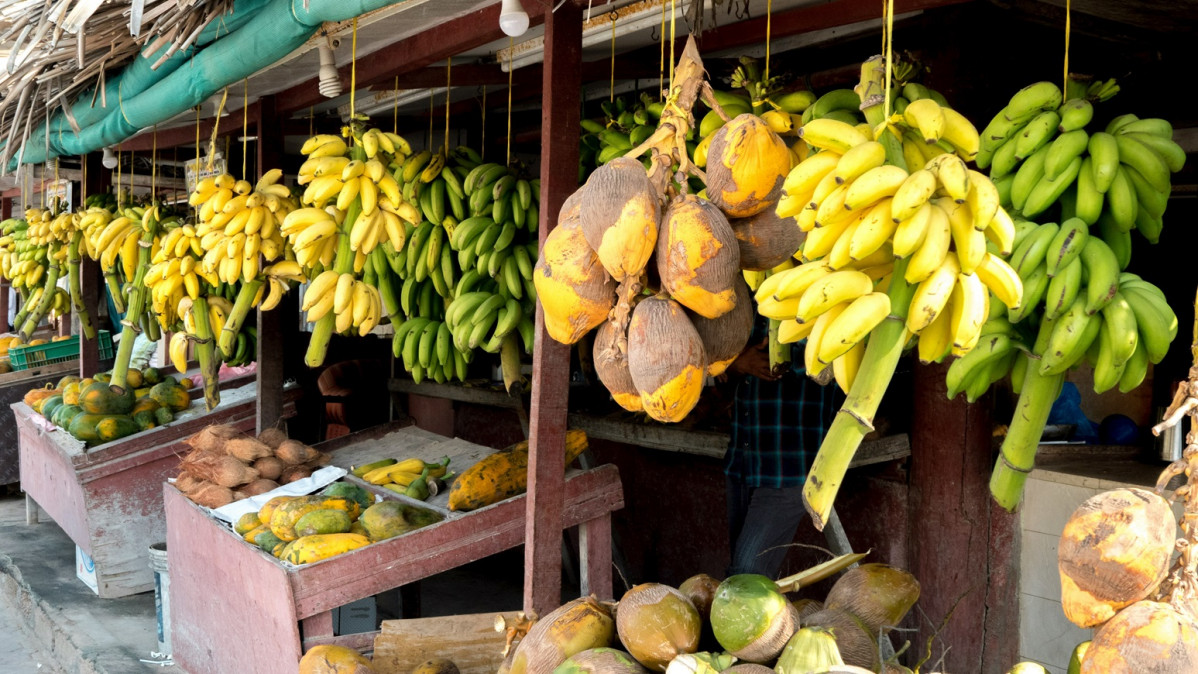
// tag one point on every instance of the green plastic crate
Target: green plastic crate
(25, 357)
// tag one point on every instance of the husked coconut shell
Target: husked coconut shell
(700, 590)
(572, 286)
(857, 645)
(807, 608)
(1114, 551)
(748, 668)
(725, 337)
(1145, 638)
(612, 367)
(698, 258)
(570, 629)
(746, 166)
(665, 358)
(620, 216)
(656, 623)
(601, 661)
(767, 240)
(878, 594)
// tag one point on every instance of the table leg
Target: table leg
(30, 510)
(319, 626)
(594, 547)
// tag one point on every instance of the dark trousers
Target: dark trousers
(762, 521)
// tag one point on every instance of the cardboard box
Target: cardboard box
(85, 569)
(355, 617)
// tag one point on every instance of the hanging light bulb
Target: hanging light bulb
(109, 159)
(330, 79)
(513, 20)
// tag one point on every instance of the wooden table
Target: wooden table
(108, 499)
(223, 588)
(13, 387)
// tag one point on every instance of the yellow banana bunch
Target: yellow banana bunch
(240, 224)
(277, 277)
(354, 303)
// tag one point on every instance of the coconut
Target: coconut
(665, 358)
(619, 217)
(436, 666)
(246, 449)
(577, 626)
(272, 437)
(612, 367)
(269, 467)
(572, 286)
(807, 607)
(698, 258)
(1145, 638)
(878, 594)
(766, 240)
(700, 590)
(748, 668)
(656, 623)
(725, 337)
(259, 486)
(746, 166)
(601, 661)
(1027, 668)
(294, 453)
(1075, 660)
(751, 618)
(330, 659)
(858, 647)
(1114, 551)
(811, 649)
(892, 668)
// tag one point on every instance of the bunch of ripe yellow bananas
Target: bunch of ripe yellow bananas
(409, 477)
(355, 303)
(239, 224)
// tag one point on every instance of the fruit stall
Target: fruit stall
(562, 241)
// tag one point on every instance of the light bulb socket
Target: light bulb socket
(329, 79)
(513, 20)
(108, 160)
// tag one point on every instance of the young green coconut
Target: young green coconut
(601, 661)
(811, 649)
(657, 623)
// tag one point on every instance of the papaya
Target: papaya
(503, 474)
(70, 393)
(247, 522)
(101, 398)
(104, 377)
(35, 397)
(144, 420)
(85, 382)
(388, 519)
(285, 516)
(186, 383)
(67, 380)
(50, 404)
(326, 521)
(64, 414)
(140, 393)
(322, 546)
(163, 416)
(151, 376)
(250, 535)
(116, 426)
(133, 378)
(171, 396)
(350, 491)
(84, 427)
(267, 541)
(168, 379)
(330, 659)
(358, 528)
(267, 510)
(279, 547)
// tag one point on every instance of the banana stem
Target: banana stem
(779, 352)
(114, 290)
(1018, 454)
(241, 308)
(871, 89)
(19, 320)
(855, 418)
(40, 310)
(206, 352)
(73, 260)
(343, 263)
(137, 305)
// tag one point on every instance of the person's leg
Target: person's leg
(738, 495)
(770, 523)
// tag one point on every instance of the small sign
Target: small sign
(63, 190)
(85, 569)
(193, 177)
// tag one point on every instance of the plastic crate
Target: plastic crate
(25, 357)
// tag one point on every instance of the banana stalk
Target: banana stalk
(779, 352)
(872, 90)
(343, 263)
(1018, 454)
(114, 290)
(137, 305)
(855, 418)
(40, 310)
(206, 352)
(245, 301)
(73, 260)
(26, 307)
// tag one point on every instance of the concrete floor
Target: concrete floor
(51, 623)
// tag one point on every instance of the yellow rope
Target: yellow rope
(197, 168)
(429, 144)
(83, 181)
(154, 164)
(1065, 84)
(216, 129)
(769, 15)
(56, 173)
(612, 95)
(510, 43)
(311, 120)
(888, 47)
(353, 69)
(673, 16)
(118, 177)
(482, 150)
(448, 80)
(661, 67)
(245, 123)
(395, 108)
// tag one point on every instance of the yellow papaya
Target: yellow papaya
(323, 521)
(503, 475)
(285, 517)
(329, 659)
(268, 509)
(246, 522)
(250, 535)
(322, 546)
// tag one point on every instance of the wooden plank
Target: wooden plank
(185, 136)
(480, 395)
(275, 328)
(220, 588)
(470, 641)
(560, 89)
(20, 378)
(595, 550)
(653, 435)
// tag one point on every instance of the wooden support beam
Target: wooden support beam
(279, 327)
(413, 54)
(4, 290)
(560, 88)
(97, 179)
(184, 136)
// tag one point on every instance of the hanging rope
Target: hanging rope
(510, 43)
(311, 120)
(1068, 21)
(353, 70)
(887, 48)
(83, 180)
(482, 150)
(245, 123)
(661, 68)
(612, 95)
(673, 20)
(154, 164)
(429, 144)
(448, 80)
(395, 108)
(216, 128)
(769, 15)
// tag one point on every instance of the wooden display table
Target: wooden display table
(108, 499)
(223, 589)
(13, 387)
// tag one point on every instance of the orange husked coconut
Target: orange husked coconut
(698, 258)
(620, 216)
(572, 286)
(746, 166)
(665, 358)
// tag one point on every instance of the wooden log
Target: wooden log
(470, 641)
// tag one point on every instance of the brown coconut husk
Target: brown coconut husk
(698, 258)
(1145, 638)
(767, 647)
(656, 623)
(620, 214)
(878, 594)
(219, 469)
(188, 483)
(700, 590)
(665, 358)
(212, 496)
(269, 467)
(1114, 551)
(748, 668)
(601, 661)
(724, 338)
(213, 438)
(807, 608)
(246, 449)
(611, 365)
(746, 150)
(259, 486)
(272, 437)
(293, 473)
(295, 453)
(577, 626)
(766, 240)
(574, 289)
(322, 459)
(857, 645)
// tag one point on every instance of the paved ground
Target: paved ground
(19, 652)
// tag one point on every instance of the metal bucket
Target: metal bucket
(162, 604)
(1172, 442)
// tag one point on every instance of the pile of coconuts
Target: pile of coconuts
(744, 625)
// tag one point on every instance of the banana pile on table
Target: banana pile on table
(413, 478)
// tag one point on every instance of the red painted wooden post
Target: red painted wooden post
(277, 328)
(90, 277)
(551, 361)
(954, 530)
(4, 289)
